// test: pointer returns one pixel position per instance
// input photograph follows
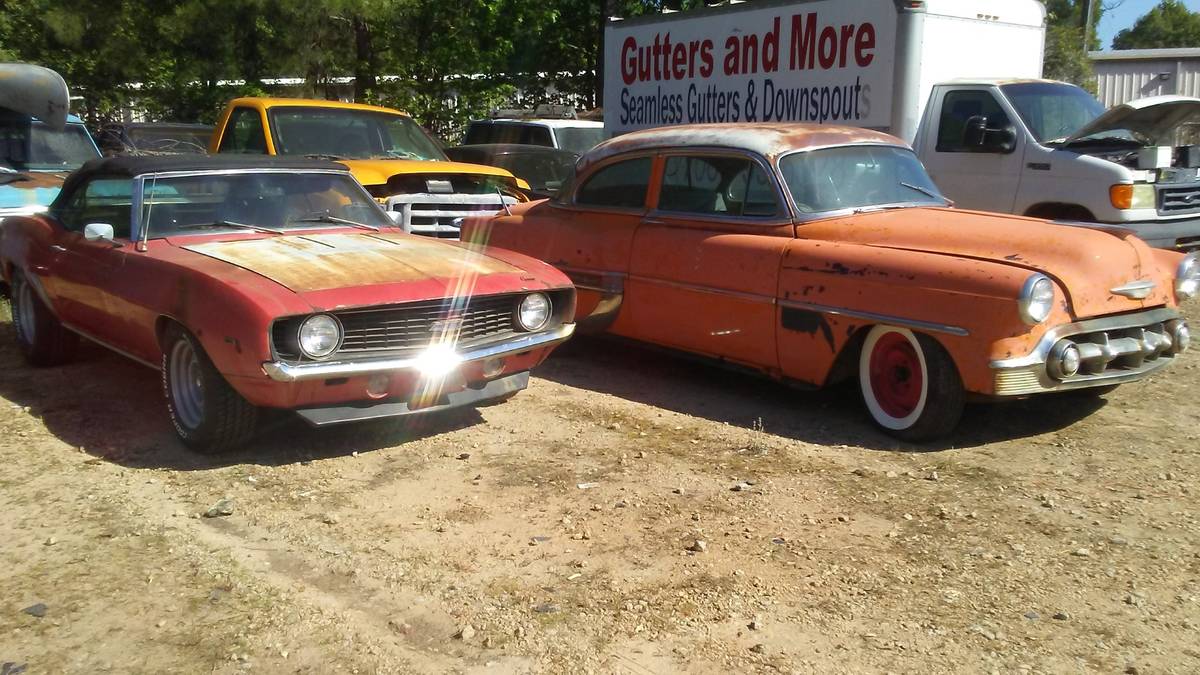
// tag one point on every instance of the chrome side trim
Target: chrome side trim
(109, 347)
(1134, 289)
(882, 318)
(281, 371)
(610, 286)
(1038, 355)
(751, 297)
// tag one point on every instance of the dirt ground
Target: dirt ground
(559, 532)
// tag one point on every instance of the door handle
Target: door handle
(653, 221)
(56, 247)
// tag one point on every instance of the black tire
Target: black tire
(909, 384)
(43, 340)
(208, 415)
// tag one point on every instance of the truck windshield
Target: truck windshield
(37, 147)
(857, 177)
(1052, 111)
(578, 139)
(267, 202)
(338, 133)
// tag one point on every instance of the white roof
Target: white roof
(555, 124)
(1145, 54)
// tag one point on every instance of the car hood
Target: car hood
(29, 192)
(1154, 118)
(1086, 262)
(345, 269)
(378, 171)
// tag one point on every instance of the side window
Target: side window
(621, 185)
(535, 135)
(960, 106)
(102, 200)
(732, 186)
(477, 133)
(244, 133)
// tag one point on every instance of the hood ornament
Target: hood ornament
(1135, 290)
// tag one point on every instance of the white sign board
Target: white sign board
(828, 61)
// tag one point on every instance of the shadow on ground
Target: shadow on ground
(113, 409)
(832, 416)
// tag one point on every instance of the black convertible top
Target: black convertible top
(128, 166)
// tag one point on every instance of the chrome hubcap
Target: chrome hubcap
(26, 324)
(187, 384)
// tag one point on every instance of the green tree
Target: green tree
(1065, 56)
(1169, 24)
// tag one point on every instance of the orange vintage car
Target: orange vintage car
(814, 254)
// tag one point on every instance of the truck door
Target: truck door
(980, 171)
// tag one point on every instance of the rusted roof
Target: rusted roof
(769, 139)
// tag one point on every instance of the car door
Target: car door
(976, 177)
(705, 269)
(84, 272)
(588, 234)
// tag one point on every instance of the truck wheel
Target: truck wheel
(42, 338)
(208, 415)
(909, 384)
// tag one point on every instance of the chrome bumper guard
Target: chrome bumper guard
(1112, 350)
(313, 370)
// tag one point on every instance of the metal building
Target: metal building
(1125, 75)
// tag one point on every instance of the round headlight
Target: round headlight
(534, 311)
(319, 336)
(1036, 300)
(1187, 277)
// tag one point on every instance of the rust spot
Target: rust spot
(805, 321)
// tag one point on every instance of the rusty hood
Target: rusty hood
(309, 264)
(1087, 263)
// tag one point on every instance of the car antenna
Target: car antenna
(502, 202)
(144, 235)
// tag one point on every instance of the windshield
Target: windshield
(578, 139)
(544, 172)
(1052, 111)
(36, 147)
(857, 176)
(350, 134)
(267, 201)
(169, 140)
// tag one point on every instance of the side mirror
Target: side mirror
(1001, 140)
(974, 131)
(98, 232)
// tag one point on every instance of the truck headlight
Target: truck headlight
(1036, 299)
(319, 336)
(534, 311)
(1132, 196)
(1187, 277)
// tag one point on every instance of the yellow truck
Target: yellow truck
(399, 163)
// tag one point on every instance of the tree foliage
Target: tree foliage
(1066, 49)
(1169, 24)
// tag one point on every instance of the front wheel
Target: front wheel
(909, 384)
(43, 340)
(208, 415)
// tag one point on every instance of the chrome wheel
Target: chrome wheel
(186, 379)
(23, 306)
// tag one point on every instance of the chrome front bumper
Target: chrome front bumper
(1113, 350)
(282, 371)
(339, 414)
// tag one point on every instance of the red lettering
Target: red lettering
(731, 56)
(828, 47)
(864, 44)
(749, 54)
(804, 41)
(679, 57)
(666, 57)
(706, 58)
(693, 47)
(629, 60)
(657, 54)
(844, 47)
(770, 58)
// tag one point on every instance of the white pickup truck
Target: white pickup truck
(957, 79)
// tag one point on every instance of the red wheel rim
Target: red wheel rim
(896, 377)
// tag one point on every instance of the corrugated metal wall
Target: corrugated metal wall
(1121, 81)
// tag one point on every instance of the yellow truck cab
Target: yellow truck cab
(399, 163)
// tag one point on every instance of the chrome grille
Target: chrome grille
(1179, 199)
(435, 214)
(465, 322)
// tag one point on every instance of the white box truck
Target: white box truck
(956, 79)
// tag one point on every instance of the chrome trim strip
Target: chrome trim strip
(1135, 290)
(752, 297)
(109, 347)
(281, 371)
(612, 293)
(1038, 355)
(872, 316)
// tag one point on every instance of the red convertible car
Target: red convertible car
(268, 283)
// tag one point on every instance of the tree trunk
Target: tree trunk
(365, 73)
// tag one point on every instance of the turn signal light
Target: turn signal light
(1131, 196)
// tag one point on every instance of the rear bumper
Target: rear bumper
(1183, 234)
(369, 410)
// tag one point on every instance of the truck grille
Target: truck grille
(435, 214)
(1179, 199)
(465, 322)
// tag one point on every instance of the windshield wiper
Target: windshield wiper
(230, 224)
(322, 155)
(928, 193)
(326, 218)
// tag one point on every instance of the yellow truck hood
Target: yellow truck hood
(378, 171)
